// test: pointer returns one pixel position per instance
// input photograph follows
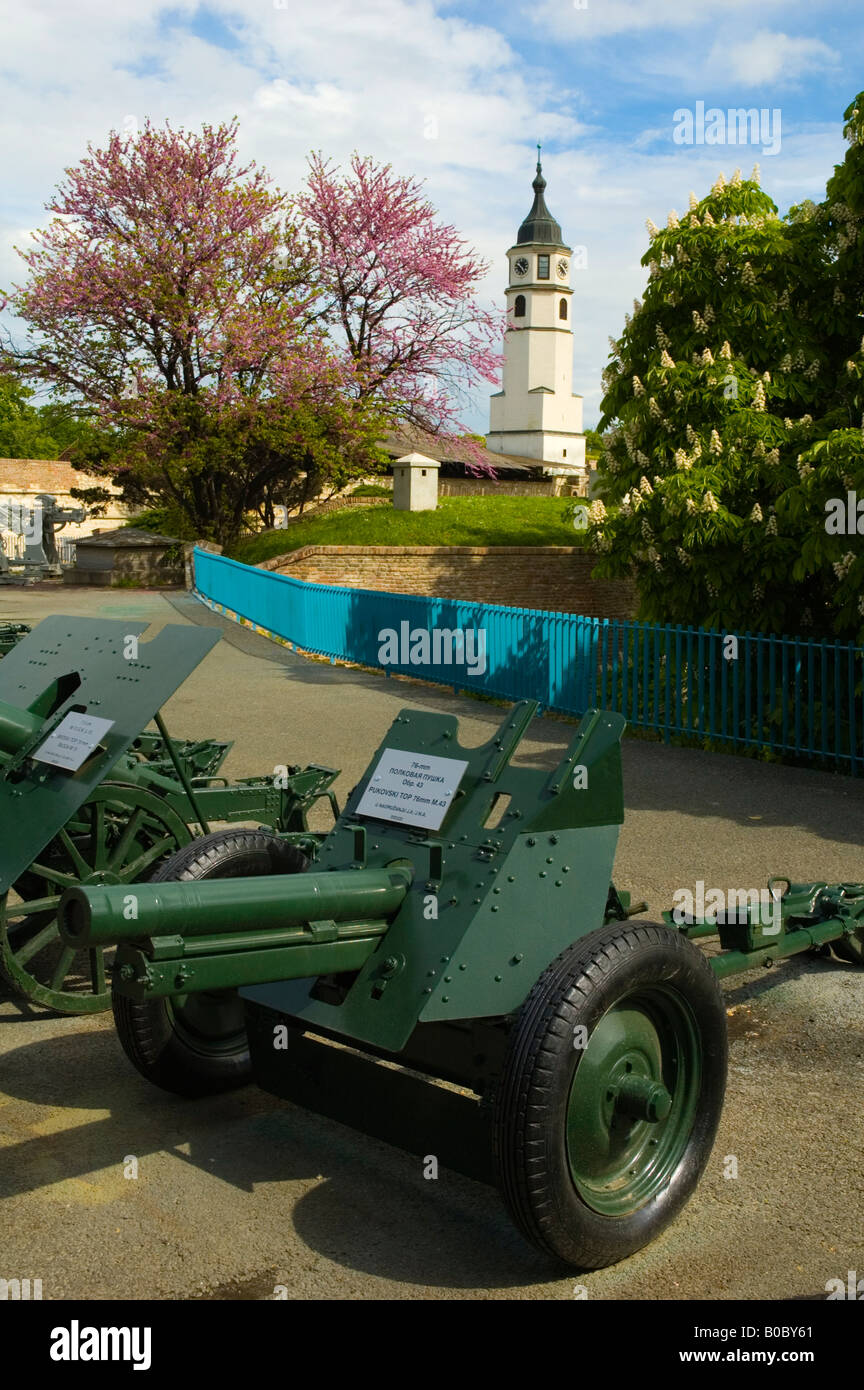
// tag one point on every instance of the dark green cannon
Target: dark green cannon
(460, 922)
(88, 794)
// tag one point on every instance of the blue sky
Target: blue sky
(455, 92)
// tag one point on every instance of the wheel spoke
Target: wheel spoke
(65, 880)
(98, 847)
(30, 908)
(97, 970)
(61, 970)
(135, 869)
(36, 944)
(81, 866)
(121, 849)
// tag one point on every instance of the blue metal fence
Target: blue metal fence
(781, 694)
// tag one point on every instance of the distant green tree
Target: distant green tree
(24, 433)
(594, 442)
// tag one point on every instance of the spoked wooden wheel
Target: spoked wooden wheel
(119, 835)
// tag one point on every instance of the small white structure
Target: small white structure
(415, 483)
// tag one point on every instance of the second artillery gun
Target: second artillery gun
(88, 794)
(460, 922)
(10, 635)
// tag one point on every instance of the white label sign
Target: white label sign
(72, 742)
(412, 788)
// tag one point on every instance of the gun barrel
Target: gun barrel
(102, 915)
(17, 726)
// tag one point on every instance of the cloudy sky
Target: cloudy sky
(452, 91)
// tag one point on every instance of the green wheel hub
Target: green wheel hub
(633, 1101)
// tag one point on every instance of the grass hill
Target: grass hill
(457, 521)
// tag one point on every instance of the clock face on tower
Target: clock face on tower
(521, 266)
(562, 269)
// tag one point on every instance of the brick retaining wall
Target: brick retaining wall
(555, 578)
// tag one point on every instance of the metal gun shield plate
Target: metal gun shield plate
(490, 904)
(88, 658)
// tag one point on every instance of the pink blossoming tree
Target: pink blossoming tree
(396, 288)
(235, 346)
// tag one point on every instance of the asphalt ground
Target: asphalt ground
(243, 1193)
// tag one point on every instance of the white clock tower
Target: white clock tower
(536, 414)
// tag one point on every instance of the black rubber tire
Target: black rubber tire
(158, 1036)
(530, 1143)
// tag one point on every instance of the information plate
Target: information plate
(412, 788)
(72, 742)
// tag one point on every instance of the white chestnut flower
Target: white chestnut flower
(842, 567)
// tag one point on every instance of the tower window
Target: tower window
(519, 307)
(542, 267)
(562, 309)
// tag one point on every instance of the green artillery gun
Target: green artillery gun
(460, 923)
(10, 634)
(88, 795)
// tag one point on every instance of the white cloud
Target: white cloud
(768, 58)
(437, 96)
(590, 19)
(322, 99)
